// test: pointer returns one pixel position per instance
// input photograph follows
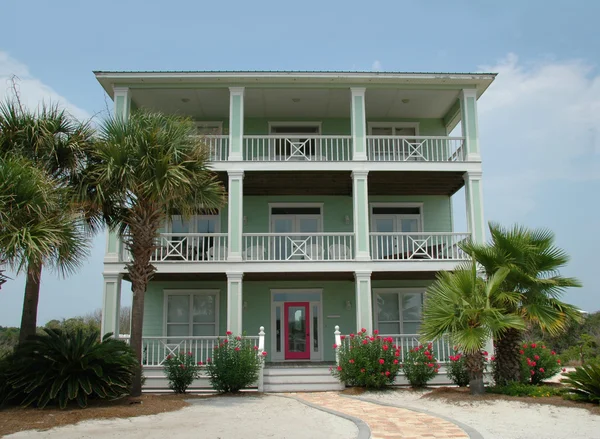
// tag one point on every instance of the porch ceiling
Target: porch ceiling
(340, 183)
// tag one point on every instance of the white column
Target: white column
(364, 303)
(236, 123)
(235, 218)
(111, 304)
(358, 124)
(234, 302)
(360, 196)
(474, 203)
(470, 129)
(122, 101)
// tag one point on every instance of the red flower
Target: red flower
(375, 332)
(339, 368)
(541, 370)
(372, 338)
(264, 353)
(387, 373)
(351, 361)
(256, 348)
(532, 372)
(362, 371)
(225, 341)
(543, 347)
(558, 361)
(365, 341)
(229, 333)
(397, 353)
(169, 357)
(564, 370)
(238, 338)
(208, 360)
(552, 353)
(426, 353)
(381, 361)
(334, 346)
(524, 345)
(536, 357)
(385, 347)
(429, 365)
(395, 361)
(493, 358)
(351, 335)
(363, 330)
(533, 345)
(342, 337)
(200, 363)
(485, 353)
(190, 354)
(521, 352)
(236, 348)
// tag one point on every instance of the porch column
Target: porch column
(360, 195)
(474, 202)
(236, 123)
(111, 305)
(122, 101)
(468, 117)
(364, 303)
(235, 219)
(234, 302)
(359, 124)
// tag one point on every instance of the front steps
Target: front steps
(299, 377)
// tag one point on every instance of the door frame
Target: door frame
(383, 204)
(314, 356)
(307, 324)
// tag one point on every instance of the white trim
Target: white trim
(311, 124)
(397, 204)
(399, 291)
(321, 206)
(280, 356)
(191, 292)
(372, 125)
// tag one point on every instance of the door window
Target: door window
(388, 223)
(295, 227)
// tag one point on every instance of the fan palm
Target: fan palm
(49, 232)
(142, 170)
(461, 304)
(533, 263)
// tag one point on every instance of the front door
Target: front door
(297, 330)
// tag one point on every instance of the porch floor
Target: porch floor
(303, 364)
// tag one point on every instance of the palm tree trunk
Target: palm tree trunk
(475, 365)
(30, 301)
(508, 361)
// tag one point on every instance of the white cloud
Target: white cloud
(31, 90)
(539, 123)
(376, 66)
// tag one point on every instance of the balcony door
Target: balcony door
(387, 222)
(297, 330)
(294, 229)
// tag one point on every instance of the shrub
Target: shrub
(457, 370)
(367, 361)
(538, 363)
(420, 366)
(584, 383)
(58, 367)
(235, 364)
(521, 389)
(181, 370)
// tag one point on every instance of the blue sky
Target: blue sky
(539, 122)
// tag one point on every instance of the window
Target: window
(295, 227)
(209, 128)
(398, 311)
(195, 224)
(191, 313)
(394, 129)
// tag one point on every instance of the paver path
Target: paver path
(386, 422)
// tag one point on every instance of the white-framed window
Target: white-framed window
(191, 313)
(396, 217)
(393, 128)
(398, 310)
(205, 128)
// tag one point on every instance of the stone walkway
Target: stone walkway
(384, 421)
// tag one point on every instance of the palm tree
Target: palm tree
(51, 234)
(462, 304)
(142, 170)
(533, 263)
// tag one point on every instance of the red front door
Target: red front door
(297, 330)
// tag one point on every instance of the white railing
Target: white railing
(298, 246)
(417, 246)
(218, 147)
(156, 349)
(191, 247)
(297, 148)
(415, 148)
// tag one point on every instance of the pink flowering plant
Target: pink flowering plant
(457, 367)
(181, 370)
(235, 364)
(538, 363)
(365, 360)
(420, 366)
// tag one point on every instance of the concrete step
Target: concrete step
(302, 387)
(282, 371)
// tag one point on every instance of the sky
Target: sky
(539, 121)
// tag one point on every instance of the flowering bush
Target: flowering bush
(367, 361)
(420, 366)
(457, 368)
(235, 364)
(538, 363)
(181, 370)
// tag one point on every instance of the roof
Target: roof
(345, 72)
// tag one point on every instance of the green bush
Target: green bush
(538, 363)
(420, 366)
(181, 370)
(521, 389)
(457, 370)
(58, 367)
(235, 364)
(584, 383)
(367, 361)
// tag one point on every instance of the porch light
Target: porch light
(348, 305)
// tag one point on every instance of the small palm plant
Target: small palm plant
(461, 304)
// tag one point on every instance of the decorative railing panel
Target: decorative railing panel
(303, 148)
(298, 247)
(417, 246)
(191, 247)
(415, 148)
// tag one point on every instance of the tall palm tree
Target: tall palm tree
(533, 263)
(142, 170)
(462, 304)
(55, 143)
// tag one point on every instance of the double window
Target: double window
(398, 310)
(191, 313)
(195, 224)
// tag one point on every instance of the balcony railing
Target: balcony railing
(218, 147)
(417, 246)
(191, 247)
(297, 148)
(298, 246)
(415, 149)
